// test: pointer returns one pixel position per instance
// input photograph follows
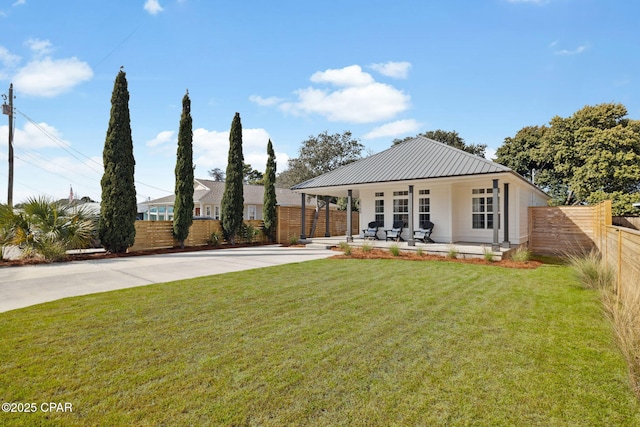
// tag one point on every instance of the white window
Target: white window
(482, 208)
(252, 211)
(401, 206)
(424, 206)
(207, 210)
(379, 209)
(216, 212)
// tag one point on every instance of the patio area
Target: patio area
(463, 249)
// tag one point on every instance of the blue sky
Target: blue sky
(383, 70)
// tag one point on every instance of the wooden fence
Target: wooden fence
(560, 230)
(289, 223)
(620, 246)
(627, 221)
(578, 229)
(159, 234)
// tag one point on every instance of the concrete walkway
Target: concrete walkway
(30, 285)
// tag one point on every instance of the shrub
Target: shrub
(367, 247)
(45, 228)
(452, 252)
(592, 271)
(346, 248)
(420, 252)
(395, 250)
(487, 254)
(521, 254)
(293, 240)
(215, 239)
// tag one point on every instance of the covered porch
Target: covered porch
(460, 249)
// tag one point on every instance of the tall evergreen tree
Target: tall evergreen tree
(183, 207)
(232, 205)
(118, 208)
(270, 202)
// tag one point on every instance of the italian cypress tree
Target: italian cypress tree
(232, 205)
(183, 207)
(270, 202)
(118, 208)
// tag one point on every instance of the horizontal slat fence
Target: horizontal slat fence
(627, 221)
(620, 246)
(290, 222)
(558, 230)
(159, 234)
(578, 229)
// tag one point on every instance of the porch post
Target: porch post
(326, 222)
(505, 215)
(410, 241)
(349, 231)
(303, 212)
(496, 221)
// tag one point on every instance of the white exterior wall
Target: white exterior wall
(451, 208)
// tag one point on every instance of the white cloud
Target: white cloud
(19, 2)
(153, 7)
(358, 104)
(576, 51)
(50, 77)
(163, 138)
(8, 59)
(265, 102)
(32, 136)
(358, 98)
(396, 128)
(39, 47)
(211, 149)
(347, 76)
(398, 70)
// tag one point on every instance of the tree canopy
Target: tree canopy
(183, 208)
(269, 212)
(232, 205)
(320, 154)
(588, 157)
(118, 208)
(451, 138)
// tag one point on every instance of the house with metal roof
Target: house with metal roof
(468, 198)
(207, 198)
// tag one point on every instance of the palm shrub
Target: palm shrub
(45, 228)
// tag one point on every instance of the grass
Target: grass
(328, 342)
(394, 249)
(622, 308)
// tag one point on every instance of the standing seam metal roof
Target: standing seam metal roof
(417, 158)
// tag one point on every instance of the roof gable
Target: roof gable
(418, 158)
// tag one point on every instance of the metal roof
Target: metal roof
(418, 158)
(210, 192)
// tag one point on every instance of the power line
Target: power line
(64, 146)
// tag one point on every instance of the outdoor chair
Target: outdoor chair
(395, 231)
(424, 232)
(372, 231)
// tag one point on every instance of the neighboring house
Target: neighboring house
(421, 180)
(207, 198)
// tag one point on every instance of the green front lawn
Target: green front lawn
(329, 342)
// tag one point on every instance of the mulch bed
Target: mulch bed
(358, 253)
(108, 255)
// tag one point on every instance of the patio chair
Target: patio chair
(371, 231)
(424, 232)
(395, 231)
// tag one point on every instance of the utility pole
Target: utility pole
(8, 110)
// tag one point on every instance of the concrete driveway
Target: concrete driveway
(30, 285)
